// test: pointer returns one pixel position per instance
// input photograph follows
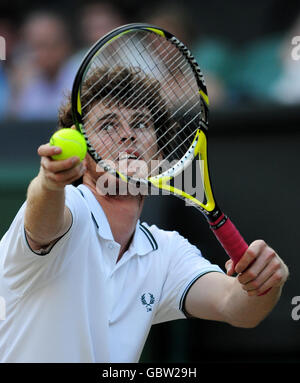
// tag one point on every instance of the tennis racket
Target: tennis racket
(139, 96)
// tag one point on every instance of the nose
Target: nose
(127, 133)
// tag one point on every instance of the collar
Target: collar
(97, 213)
(143, 241)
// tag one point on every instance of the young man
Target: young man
(84, 280)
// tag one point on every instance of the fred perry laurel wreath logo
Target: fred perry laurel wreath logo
(148, 300)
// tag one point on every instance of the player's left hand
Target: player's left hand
(259, 269)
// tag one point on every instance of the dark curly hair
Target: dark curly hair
(129, 86)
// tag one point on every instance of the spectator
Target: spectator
(254, 69)
(96, 19)
(4, 93)
(99, 18)
(8, 39)
(286, 89)
(266, 70)
(40, 76)
(178, 21)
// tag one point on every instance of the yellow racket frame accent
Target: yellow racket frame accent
(78, 103)
(204, 96)
(122, 176)
(115, 37)
(157, 31)
(200, 151)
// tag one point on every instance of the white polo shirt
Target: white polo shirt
(76, 304)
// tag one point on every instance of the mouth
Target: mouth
(131, 164)
(129, 155)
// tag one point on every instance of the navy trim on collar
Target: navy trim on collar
(93, 218)
(149, 235)
(141, 244)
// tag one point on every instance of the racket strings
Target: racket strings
(172, 64)
(166, 142)
(113, 51)
(166, 132)
(104, 155)
(175, 148)
(165, 145)
(129, 105)
(119, 63)
(166, 62)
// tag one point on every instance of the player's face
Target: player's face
(123, 137)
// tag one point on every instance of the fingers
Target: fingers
(229, 267)
(59, 166)
(263, 279)
(48, 150)
(251, 254)
(260, 269)
(68, 175)
(58, 174)
(257, 256)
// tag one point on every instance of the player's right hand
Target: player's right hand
(56, 174)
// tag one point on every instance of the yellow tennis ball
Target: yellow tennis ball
(71, 142)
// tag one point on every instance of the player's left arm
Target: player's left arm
(238, 300)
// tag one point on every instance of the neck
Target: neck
(122, 213)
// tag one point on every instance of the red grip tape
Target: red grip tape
(231, 240)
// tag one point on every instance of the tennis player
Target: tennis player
(84, 280)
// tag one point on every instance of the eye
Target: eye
(108, 127)
(140, 125)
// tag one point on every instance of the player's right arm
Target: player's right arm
(46, 216)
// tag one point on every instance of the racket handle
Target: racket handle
(231, 240)
(229, 237)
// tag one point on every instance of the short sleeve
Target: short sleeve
(22, 269)
(185, 265)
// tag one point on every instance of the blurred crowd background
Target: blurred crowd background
(243, 49)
